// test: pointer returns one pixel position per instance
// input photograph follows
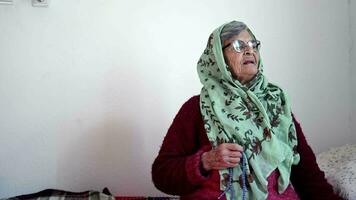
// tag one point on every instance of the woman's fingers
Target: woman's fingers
(233, 161)
(227, 149)
(228, 162)
(231, 147)
(224, 156)
(235, 155)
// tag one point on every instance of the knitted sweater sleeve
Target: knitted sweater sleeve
(307, 178)
(176, 169)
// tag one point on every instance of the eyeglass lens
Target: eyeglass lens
(239, 45)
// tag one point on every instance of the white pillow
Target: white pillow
(339, 165)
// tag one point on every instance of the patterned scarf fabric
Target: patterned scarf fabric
(256, 115)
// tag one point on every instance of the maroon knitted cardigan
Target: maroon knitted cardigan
(177, 168)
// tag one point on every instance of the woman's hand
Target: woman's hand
(224, 156)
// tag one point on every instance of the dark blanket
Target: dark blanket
(53, 194)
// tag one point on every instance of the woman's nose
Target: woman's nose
(248, 50)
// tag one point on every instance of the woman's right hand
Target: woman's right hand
(223, 156)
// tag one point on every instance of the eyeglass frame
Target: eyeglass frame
(248, 44)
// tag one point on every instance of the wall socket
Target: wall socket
(40, 3)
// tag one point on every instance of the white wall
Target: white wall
(352, 12)
(89, 88)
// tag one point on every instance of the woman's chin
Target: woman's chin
(249, 69)
(250, 65)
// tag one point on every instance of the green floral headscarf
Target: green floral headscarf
(256, 116)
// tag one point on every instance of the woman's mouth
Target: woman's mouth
(247, 62)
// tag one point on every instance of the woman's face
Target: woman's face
(244, 64)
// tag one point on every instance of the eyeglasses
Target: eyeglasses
(240, 46)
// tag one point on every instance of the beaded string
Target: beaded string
(229, 185)
(244, 176)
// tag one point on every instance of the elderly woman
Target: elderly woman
(238, 139)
